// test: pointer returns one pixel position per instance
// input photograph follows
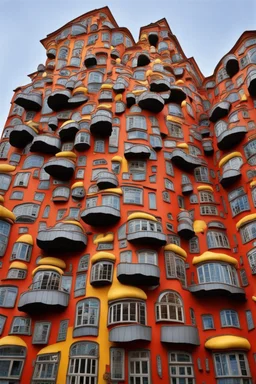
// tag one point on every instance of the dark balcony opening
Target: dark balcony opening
(251, 83)
(77, 100)
(69, 131)
(29, 101)
(160, 85)
(184, 161)
(217, 290)
(60, 169)
(130, 100)
(151, 102)
(138, 274)
(45, 144)
(100, 216)
(101, 125)
(177, 95)
(21, 136)
(153, 39)
(230, 177)
(231, 137)
(90, 61)
(143, 60)
(219, 111)
(61, 243)
(232, 66)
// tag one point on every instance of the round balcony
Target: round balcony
(101, 123)
(232, 65)
(29, 101)
(151, 101)
(46, 144)
(60, 169)
(219, 111)
(68, 130)
(106, 179)
(138, 274)
(231, 137)
(22, 135)
(58, 100)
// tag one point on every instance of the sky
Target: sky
(206, 30)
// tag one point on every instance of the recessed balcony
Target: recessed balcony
(138, 274)
(46, 143)
(101, 216)
(43, 300)
(68, 130)
(251, 83)
(29, 101)
(101, 123)
(151, 102)
(60, 169)
(82, 140)
(217, 290)
(106, 179)
(53, 123)
(153, 39)
(185, 161)
(231, 137)
(208, 146)
(160, 85)
(187, 188)
(58, 100)
(22, 135)
(232, 65)
(143, 60)
(229, 177)
(219, 111)
(129, 333)
(180, 334)
(62, 238)
(177, 95)
(137, 152)
(90, 60)
(130, 100)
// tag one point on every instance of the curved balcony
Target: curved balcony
(180, 334)
(101, 216)
(58, 100)
(90, 60)
(114, 54)
(251, 83)
(29, 101)
(82, 140)
(51, 53)
(21, 136)
(60, 169)
(77, 100)
(106, 179)
(53, 123)
(68, 130)
(231, 137)
(152, 236)
(218, 289)
(130, 100)
(187, 188)
(230, 177)
(119, 88)
(219, 111)
(159, 85)
(232, 65)
(185, 225)
(101, 124)
(128, 333)
(208, 146)
(137, 152)
(185, 161)
(70, 85)
(46, 144)
(62, 238)
(85, 331)
(138, 274)
(151, 102)
(177, 95)
(43, 300)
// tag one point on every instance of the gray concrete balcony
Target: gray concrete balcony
(46, 143)
(180, 334)
(82, 140)
(130, 99)
(206, 290)
(185, 161)
(219, 110)
(60, 169)
(43, 300)
(53, 123)
(187, 188)
(177, 95)
(101, 216)
(21, 136)
(231, 137)
(85, 330)
(119, 87)
(138, 151)
(77, 100)
(29, 101)
(138, 274)
(149, 237)
(58, 100)
(106, 179)
(68, 131)
(90, 60)
(231, 64)
(185, 225)
(229, 177)
(159, 85)
(129, 333)
(151, 102)
(251, 83)
(208, 146)
(101, 123)
(51, 53)
(62, 238)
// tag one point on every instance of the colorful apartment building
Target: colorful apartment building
(127, 216)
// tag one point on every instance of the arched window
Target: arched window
(175, 267)
(83, 363)
(12, 360)
(87, 313)
(217, 273)
(48, 280)
(33, 162)
(217, 239)
(229, 318)
(248, 232)
(21, 251)
(4, 236)
(46, 367)
(201, 174)
(26, 213)
(63, 53)
(169, 307)
(234, 163)
(126, 311)
(117, 38)
(102, 272)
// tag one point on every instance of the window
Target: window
(254, 196)
(139, 367)
(168, 184)
(4, 149)
(175, 267)
(217, 273)
(87, 313)
(210, 210)
(111, 201)
(126, 257)
(170, 307)
(127, 311)
(147, 257)
(8, 296)
(174, 109)
(102, 271)
(137, 169)
(46, 369)
(194, 245)
(95, 77)
(99, 146)
(83, 263)
(169, 168)
(138, 122)
(240, 204)
(80, 285)
(234, 163)
(249, 320)
(15, 273)
(5, 181)
(139, 75)
(41, 332)
(201, 174)
(132, 195)
(252, 260)
(248, 232)
(21, 180)
(207, 322)
(63, 329)
(229, 318)
(152, 200)
(250, 149)
(33, 162)
(12, 359)
(117, 358)
(231, 365)
(181, 368)
(117, 38)
(83, 363)
(216, 239)
(206, 197)
(21, 326)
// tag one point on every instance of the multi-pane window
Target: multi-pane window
(248, 232)
(4, 149)
(87, 313)
(91, 202)
(139, 367)
(111, 201)
(102, 271)
(250, 149)
(21, 325)
(210, 210)
(234, 163)
(8, 296)
(4, 236)
(16, 273)
(33, 162)
(175, 267)
(254, 196)
(41, 332)
(117, 359)
(229, 318)
(137, 169)
(12, 359)
(252, 260)
(126, 257)
(249, 320)
(80, 285)
(46, 280)
(147, 257)
(181, 368)
(127, 311)
(194, 245)
(144, 225)
(99, 146)
(46, 369)
(217, 239)
(201, 174)
(21, 179)
(63, 329)
(2, 323)
(83, 363)
(26, 213)
(240, 204)
(169, 307)
(206, 197)
(5, 181)
(175, 109)
(232, 365)
(168, 184)
(83, 263)
(217, 273)
(207, 322)
(138, 122)
(132, 195)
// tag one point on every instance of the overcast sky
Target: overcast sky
(206, 30)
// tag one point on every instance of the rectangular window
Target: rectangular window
(249, 319)
(210, 210)
(63, 329)
(207, 322)
(139, 367)
(2, 323)
(132, 195)
(41, 333)
(152, 200)
(117, 358)
(99, 146)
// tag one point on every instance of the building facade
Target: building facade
(127, 216)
